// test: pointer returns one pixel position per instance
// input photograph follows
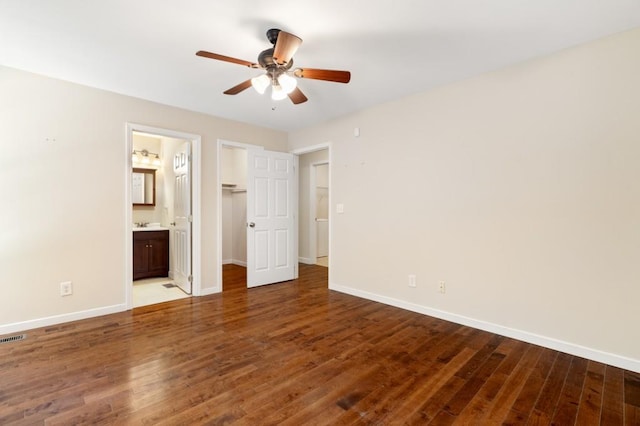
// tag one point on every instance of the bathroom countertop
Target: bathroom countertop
(151, 228)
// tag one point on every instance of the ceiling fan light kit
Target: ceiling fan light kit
(287, 83)
(277, 62)
(261, 83)
(278, 93)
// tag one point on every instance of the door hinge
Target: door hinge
(190, 278)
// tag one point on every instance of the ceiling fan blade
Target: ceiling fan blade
(239, 88)
(210, 55)
(327, 75)
(286, 46)
(297, 97)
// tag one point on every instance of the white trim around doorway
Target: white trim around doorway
(308, 150)
(196, 242)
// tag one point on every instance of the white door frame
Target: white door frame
(308, 150)
(313, 224)
(222, 143)
(196, 244)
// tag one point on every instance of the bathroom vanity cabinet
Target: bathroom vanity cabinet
(150, 254)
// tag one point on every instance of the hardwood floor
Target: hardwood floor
(296, 353)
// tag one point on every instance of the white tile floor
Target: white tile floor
(151, 291)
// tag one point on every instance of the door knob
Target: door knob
(252, 225)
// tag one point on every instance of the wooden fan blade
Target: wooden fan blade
(297, 97)
(210, 55)
(327, 75)
(239, 88)
(286, 46)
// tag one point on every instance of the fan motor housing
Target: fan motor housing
(265, 59)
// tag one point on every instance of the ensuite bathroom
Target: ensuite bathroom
(156, 170)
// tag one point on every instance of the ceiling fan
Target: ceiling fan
(277, 63)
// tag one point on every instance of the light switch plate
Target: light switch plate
(340, 208)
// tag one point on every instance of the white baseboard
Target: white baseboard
(306, 260)
(239, 262)
(208, 291)
(58, 319)
(227, 261)
(536, 339)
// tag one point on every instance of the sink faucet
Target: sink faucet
(141, 224)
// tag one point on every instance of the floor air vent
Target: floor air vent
(12, 338)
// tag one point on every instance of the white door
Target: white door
(181, 234)
(271, 207)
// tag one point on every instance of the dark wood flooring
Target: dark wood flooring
(296, 353)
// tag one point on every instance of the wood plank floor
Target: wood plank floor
(296, 353)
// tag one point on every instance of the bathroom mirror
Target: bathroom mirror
(143, 187)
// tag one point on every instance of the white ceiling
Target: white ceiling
(146, 48)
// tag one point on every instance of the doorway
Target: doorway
(314, 211)
(266, 221)
(162, 238)
(233, 172)
(232, 213)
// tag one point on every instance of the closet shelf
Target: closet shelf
(233, 188)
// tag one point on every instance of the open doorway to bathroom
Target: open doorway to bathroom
(153, 195)
(161, 251)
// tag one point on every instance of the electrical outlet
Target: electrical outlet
(66, 288)
(412, 280)
(442, 288)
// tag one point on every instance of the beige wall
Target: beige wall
(64, 200)
(239, 228)
(519, 188)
